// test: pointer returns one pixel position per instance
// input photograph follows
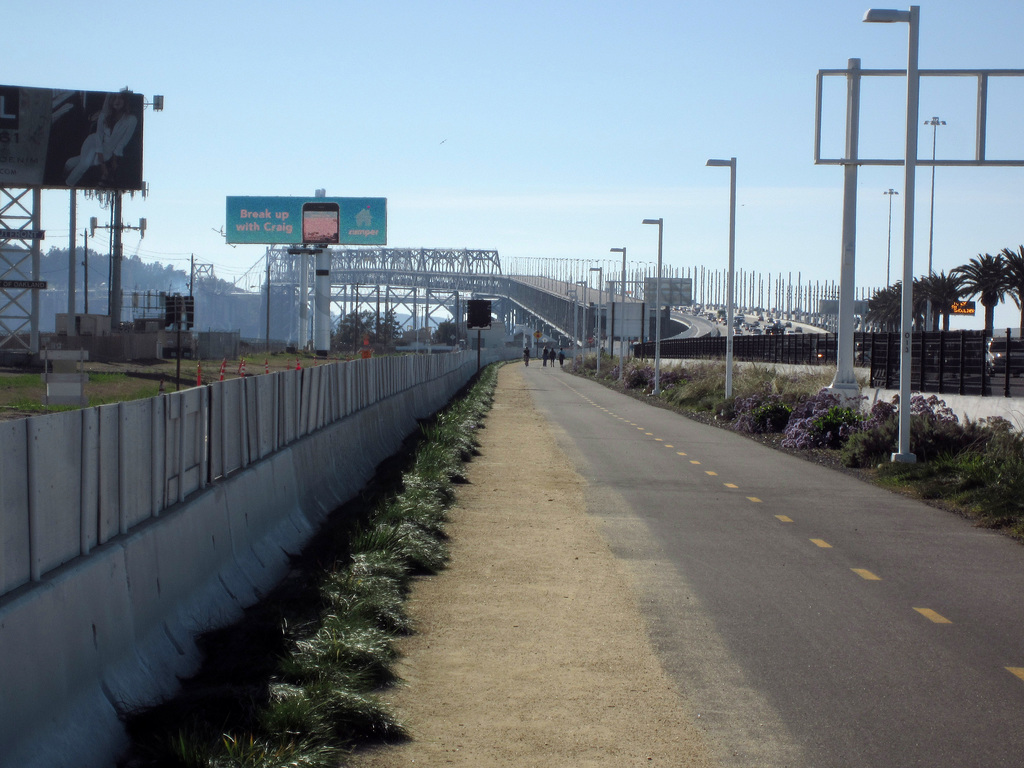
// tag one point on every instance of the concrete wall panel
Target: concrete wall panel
(55, 483)
(14, 541)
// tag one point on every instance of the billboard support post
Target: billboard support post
(323, 301)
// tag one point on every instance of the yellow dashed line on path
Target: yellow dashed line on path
(709, 472)
(866, 574)
(821, 543)
(931, 615)
(784, 519)
(680, 453)
(1018, 671)
(754, 499)
(694, 462)
(730, 485)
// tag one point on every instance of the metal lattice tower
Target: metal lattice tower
(19, 260)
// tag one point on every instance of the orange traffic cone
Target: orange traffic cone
(223, 365)
(199, 374)
(266, 365)
(298, 366)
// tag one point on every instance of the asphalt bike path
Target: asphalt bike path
(811, 619)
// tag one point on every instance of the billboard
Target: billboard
(310, 220)
(62, 139)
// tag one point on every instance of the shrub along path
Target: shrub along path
(530, 648)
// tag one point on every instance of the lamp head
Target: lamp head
(653, 221)
(618, 250)
(885, 16)
(721, 163)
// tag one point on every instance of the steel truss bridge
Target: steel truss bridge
(419, 281)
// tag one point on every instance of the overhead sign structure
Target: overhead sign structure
(62, 139)
(306, 221)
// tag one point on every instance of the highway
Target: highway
(808, 618)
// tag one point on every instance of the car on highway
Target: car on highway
(996, 356)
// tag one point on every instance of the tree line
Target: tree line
(988, 278)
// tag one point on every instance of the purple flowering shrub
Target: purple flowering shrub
(762, 411)
(640, 375)
(821, 421)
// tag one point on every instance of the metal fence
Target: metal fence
(945, 362)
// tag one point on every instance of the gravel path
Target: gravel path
(530, 648)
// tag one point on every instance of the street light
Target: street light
(583, 321)
(622, 313)
(934, 123)
(888, 254)
(600, 297)
(912, 19)
(657, 314)
(731, 165)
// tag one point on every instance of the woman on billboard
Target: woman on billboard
(115, 126)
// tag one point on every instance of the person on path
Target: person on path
(561, 358)
(526, 356)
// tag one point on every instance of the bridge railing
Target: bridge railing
(71, 481)
(944, 362)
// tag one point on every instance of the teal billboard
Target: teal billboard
(307, 220)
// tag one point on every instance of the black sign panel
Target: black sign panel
(23, 285)
(478, 314)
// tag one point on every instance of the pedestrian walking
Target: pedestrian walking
(526, 356)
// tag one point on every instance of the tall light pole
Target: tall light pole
(912, 18)
(888, 254)
(583, 320)
(729, 306)
(622, 313)
(934, 123)
(575, 301)
(597, 331)
(657, 303)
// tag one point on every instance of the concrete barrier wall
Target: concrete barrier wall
(108, 577)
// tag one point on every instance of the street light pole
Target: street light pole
(934, 123)
(731, 165)
(912, 18)
(657, 312)
(622, 313)
(597, 331)
(888, 253)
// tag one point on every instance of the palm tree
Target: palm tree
(984, 276)
(1013, 266)
(884, 307)
(942, 290)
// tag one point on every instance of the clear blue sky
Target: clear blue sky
(540, 129)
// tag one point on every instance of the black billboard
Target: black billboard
(62, 139)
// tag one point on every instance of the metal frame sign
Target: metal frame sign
(306, 220)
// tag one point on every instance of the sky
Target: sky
(544, 129)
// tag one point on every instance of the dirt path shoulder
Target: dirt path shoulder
(530, 648)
